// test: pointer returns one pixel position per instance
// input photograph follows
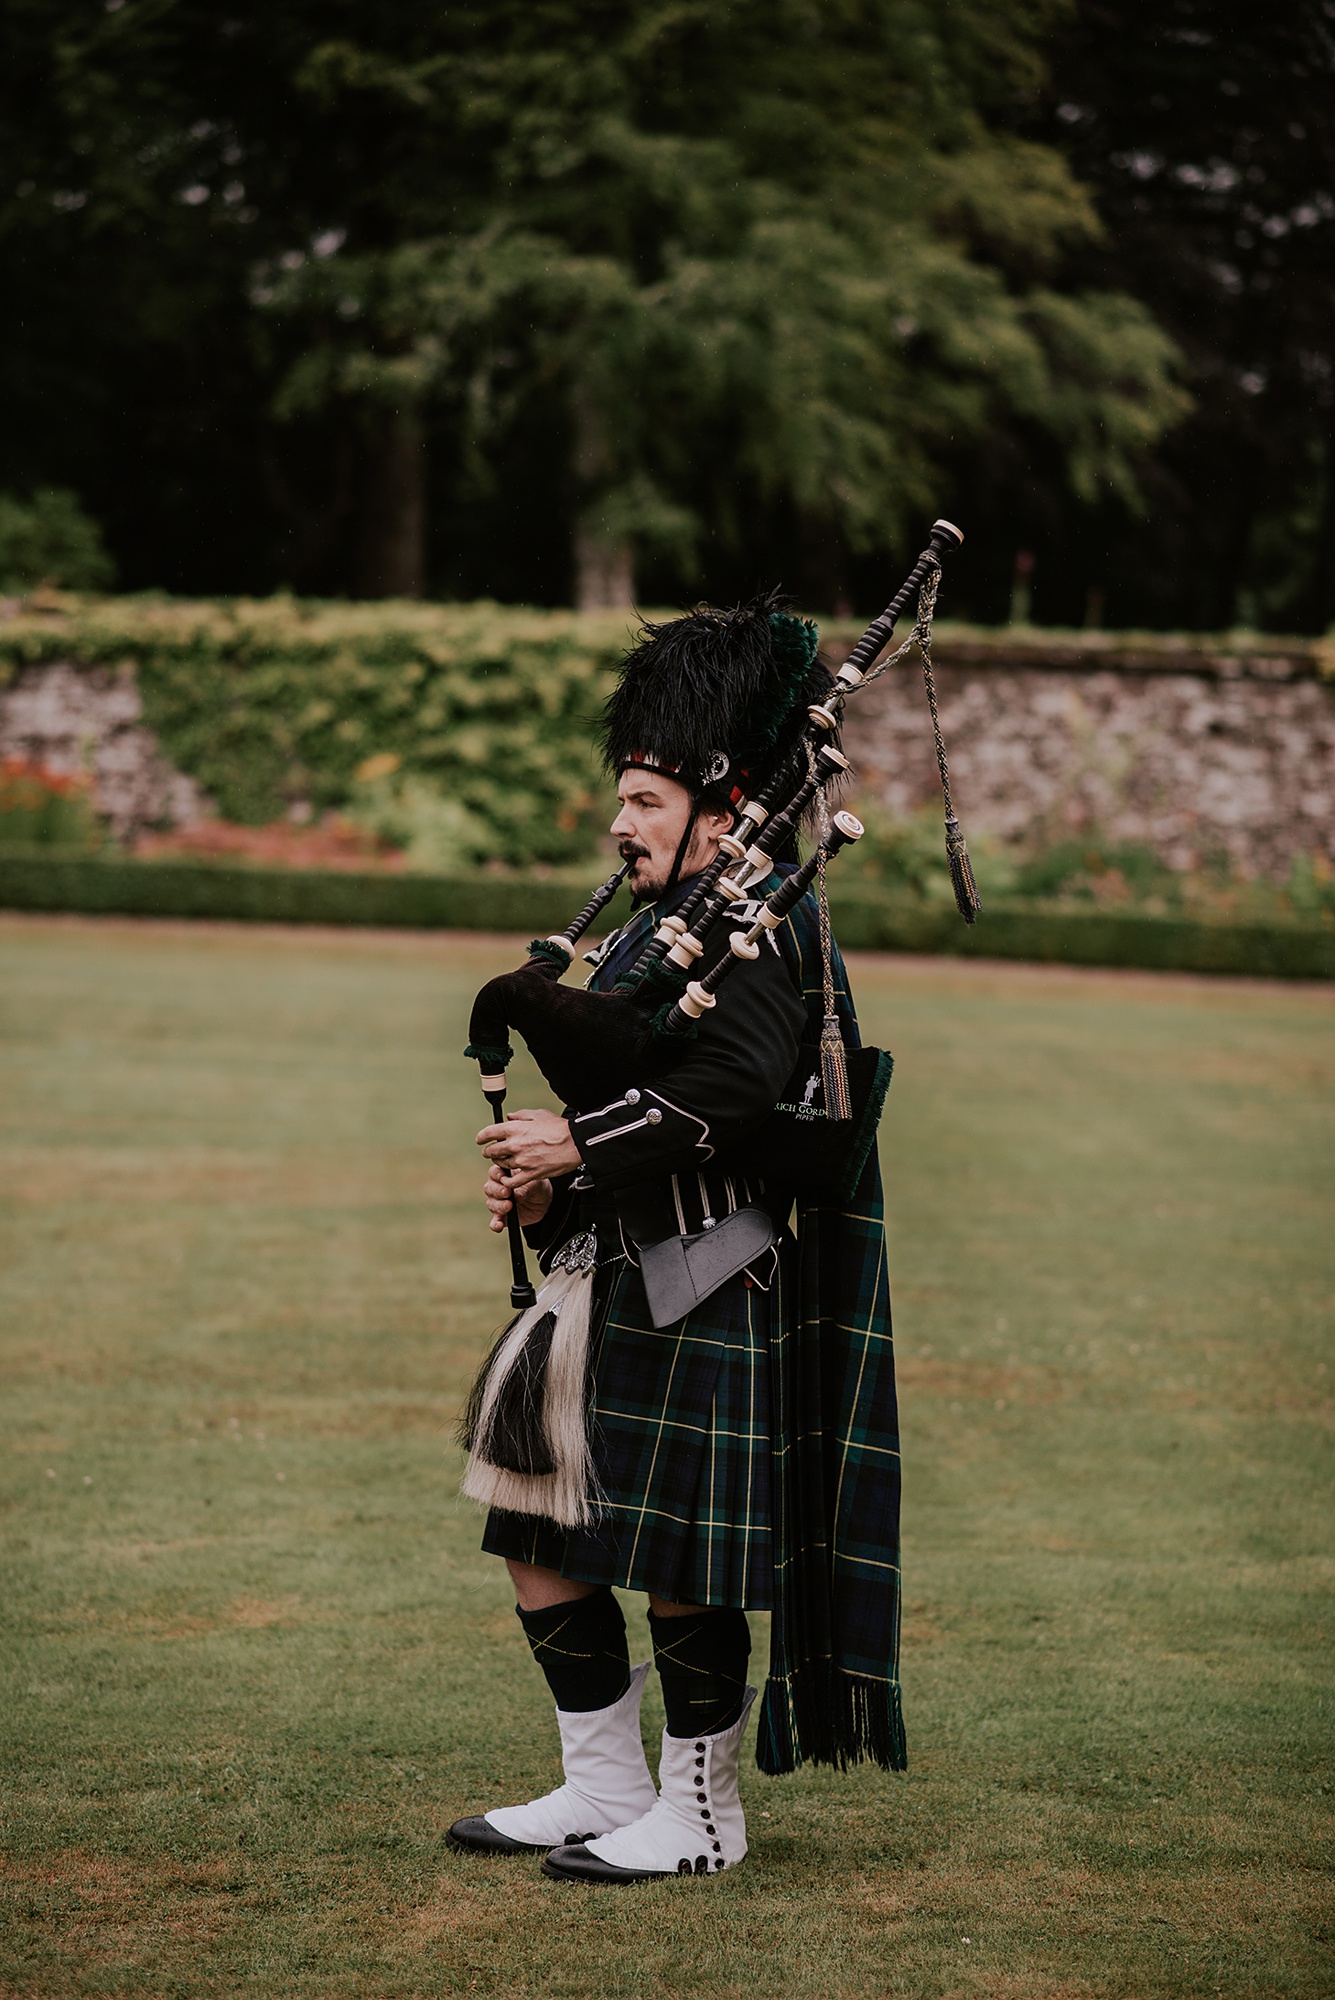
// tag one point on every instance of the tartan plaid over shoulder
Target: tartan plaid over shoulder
(833, 1694)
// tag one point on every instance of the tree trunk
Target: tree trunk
(604, 563)
(1320, 593)
(392, 555)
(604, 569)
(314, 503)
(823, 566)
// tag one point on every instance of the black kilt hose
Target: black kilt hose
(748, 1455)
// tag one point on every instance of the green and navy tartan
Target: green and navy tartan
(680, 1425)
(749, 1455)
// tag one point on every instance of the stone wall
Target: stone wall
(1201, 749)
(86, 719)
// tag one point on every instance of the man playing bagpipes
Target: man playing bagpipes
(700, 1404)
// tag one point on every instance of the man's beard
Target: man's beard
(642, 889)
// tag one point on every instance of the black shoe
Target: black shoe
(474, 1836)
(477, 1836)
(574, 1863)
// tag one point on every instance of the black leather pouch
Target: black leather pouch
(681, 1272)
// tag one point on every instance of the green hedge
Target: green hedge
(863, 921)
(866, 922)
(121, 887)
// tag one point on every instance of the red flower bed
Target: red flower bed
(335, 843)
(42, 806)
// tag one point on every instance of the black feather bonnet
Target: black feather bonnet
(716, 699)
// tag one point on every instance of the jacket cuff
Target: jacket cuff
(639, 1137)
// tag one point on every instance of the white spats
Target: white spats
(696, 1827)
(607, 1781)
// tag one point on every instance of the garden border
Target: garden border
(865, 920)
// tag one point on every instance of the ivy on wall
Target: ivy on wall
(462, 732)
(277, 704)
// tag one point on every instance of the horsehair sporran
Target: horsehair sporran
(526, 1428)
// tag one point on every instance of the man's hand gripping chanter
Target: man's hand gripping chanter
(526, 1153)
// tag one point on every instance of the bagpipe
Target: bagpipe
(592, 1046)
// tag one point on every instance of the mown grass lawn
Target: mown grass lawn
(254, 1663)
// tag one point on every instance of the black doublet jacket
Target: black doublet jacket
(670, 1158)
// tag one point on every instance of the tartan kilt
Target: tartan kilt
(680, 1423)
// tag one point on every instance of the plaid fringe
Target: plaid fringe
(818, 1714)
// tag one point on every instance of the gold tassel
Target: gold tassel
(834, 1071)
(967, 900)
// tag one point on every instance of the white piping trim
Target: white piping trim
(617, 1132)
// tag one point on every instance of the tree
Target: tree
(676, 280)
(48, 539)
(785, 227)
(1206, 134)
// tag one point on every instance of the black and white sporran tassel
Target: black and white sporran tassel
(526, 1426)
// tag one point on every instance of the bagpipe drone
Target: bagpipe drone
(592, 1046)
